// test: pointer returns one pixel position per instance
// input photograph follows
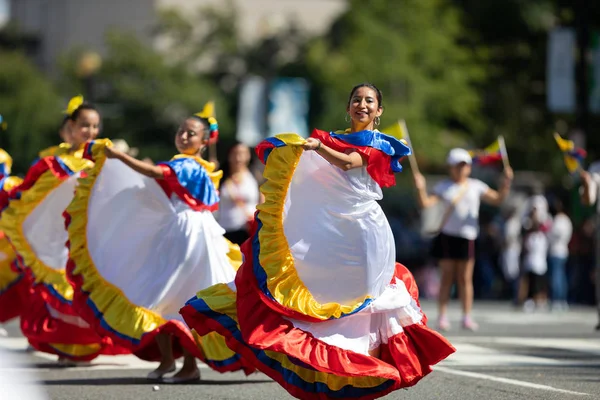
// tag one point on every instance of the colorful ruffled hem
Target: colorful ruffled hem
(41, 179)
(307, 367)
(51, 335)
(48, 287)
(107, 309)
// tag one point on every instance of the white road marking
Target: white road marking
(468, 355)
(507, 381)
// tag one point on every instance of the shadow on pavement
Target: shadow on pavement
(144, 381)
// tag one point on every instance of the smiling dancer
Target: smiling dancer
(320, 304)
(34, 224)
(143, 239)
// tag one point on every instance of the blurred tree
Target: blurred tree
(31, 107)
(416, 57)
(516, 34)
(144, 95)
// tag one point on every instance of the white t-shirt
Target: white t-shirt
(594, 171)
(238, 202)
(536, 252)
(464, 220)
(560, 236)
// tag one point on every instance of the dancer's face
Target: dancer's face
(364, 107)
(86, 127)
(190, 137)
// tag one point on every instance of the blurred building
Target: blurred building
(64, 24)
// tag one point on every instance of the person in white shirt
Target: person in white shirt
(455, 243)
(536, 224)
(558, 254)
(590, 180)
(511, 251)
(239, 195)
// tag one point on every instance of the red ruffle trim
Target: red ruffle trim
(147, 348)
(263, 328)
(41, 329)
(13, 299)
(405, 359)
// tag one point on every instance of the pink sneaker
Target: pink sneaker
(444, 324)
(469, 324)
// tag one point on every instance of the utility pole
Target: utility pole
(582, 29)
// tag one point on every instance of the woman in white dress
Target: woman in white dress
(143, 239)
(320, 304)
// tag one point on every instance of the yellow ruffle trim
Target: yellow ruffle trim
(7, 275)
(275, 257)
(14, 216)
(7, 253)
(221, 299)
(118, 312)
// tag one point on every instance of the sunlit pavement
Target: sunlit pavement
(513, 356)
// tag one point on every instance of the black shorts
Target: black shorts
(446, 247)
(537, 284)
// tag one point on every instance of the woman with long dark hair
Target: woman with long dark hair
(320, 304)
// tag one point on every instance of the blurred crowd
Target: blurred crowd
(531, 254)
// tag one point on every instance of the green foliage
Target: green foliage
(31, 108)
(145, 97)
(414, 55)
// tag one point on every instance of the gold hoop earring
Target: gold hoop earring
(377, 121)
(347, 117)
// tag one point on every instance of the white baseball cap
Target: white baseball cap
(457, 156)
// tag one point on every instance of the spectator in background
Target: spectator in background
(239, 195)
(511, 251)
(535, 253)
(589, 195)
(582, 263)
(488, 247)
(454, 245)
(559, 237)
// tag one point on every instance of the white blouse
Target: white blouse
(238, 202)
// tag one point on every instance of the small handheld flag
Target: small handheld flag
(572, 155)
(400, 131)
(490, 155)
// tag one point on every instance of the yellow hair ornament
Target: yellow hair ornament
(74, 104)
(208, 110)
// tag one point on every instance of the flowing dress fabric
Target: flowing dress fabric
(14, 285)
(319, 289)
(140, 248)
(33, 222)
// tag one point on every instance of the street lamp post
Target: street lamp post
(88, 65)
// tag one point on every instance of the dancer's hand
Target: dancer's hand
(311, 144)
(111, 152)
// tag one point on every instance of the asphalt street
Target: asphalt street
(513, 356)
